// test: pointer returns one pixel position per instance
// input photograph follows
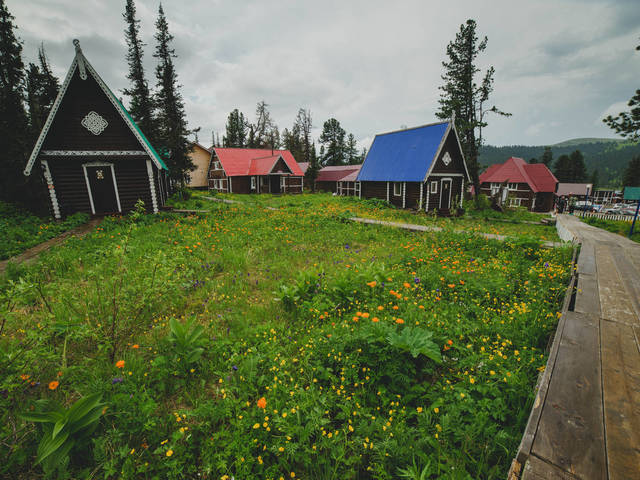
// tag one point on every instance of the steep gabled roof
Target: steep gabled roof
(82, 64)
(516, 170)
(337, 173)
(243, 161)
(405, 155)
(304, 166)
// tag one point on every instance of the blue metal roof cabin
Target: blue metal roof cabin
(404, 155)
(421, 167)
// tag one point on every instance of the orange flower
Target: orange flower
(24, 376)
(450, 342)
(375, 319)
(372, 284)
(120, 364)
(451, 285)
(136, 346)
(380, 307)
(399, 321)
(365, 315)
(262, 403)
(406, 285)
(53, 385)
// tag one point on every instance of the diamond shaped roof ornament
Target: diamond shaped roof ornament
(94, 123)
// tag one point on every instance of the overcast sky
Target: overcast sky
(561, 65)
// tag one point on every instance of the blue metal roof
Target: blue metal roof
(403, 156)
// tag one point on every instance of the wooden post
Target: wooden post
(426, 208)
(420, 200)
(387, 192)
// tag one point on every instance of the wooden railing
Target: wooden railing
(604, 216)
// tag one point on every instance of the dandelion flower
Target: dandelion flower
(169, 452)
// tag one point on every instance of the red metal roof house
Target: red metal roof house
(340, 179)
(530, 185)
(254, 170)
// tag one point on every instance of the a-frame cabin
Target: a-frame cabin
(94, 158)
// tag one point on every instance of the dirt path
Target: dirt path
(32, 254)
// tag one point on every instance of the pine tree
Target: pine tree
(533, 161)
(262, 134)
(463, 97)
(578, 168)
(351, 150)
(594, 180)
(303, 125)
(312, 170)
(562, 169)
(547, 156)
(14, 142)
(141, 104)
(631, 176)
(627, 124)
(236, 130)
(332, 140)
(172, 131)
(42, 89)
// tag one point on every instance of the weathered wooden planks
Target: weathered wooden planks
(571, 432)
(614, 300)
(587, 259)
(621, 384)
(587, 296)
(536, 469)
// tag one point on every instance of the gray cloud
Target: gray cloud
(371, 64)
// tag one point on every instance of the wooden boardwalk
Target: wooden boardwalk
(585, 422)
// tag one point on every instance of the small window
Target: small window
(513, 186)
(434, 187)
(253, 183)
(397, 189)
(283, 181)
(515, 202)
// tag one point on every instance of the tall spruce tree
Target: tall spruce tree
(42, 89)
(351, 150)
(312, 170)
(264, 132)
(236, 130)
(141, 101)
(333, 143)
(578, 168)
(631, 175)
(172, 125)
(627, 124)
(547, 157)
(14, 142)
(562, 169)
(594, 180)
(462, 96)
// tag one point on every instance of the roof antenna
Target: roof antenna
(80, 59)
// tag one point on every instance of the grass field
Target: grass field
(20, 230)
(289, 343)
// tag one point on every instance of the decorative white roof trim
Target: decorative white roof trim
(90, 153)
(63, 90)
(154, 202)
(435, 157)
(83, 71)
(124, 116)
(52, 114)
(464, 162)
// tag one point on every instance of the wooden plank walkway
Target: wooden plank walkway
(427, 228)
(585, 422)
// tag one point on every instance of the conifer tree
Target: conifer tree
(462, 96)
(562, 169)
(627, 124)
(351, 150)
(312, 170)
(594, 180)
(172, 131)
(13, 117)
(578, 168)
(42, 89)
(236, 130)
(141, 104)
(332, 140)
(547, 157)
(263, 133)
(631, 175)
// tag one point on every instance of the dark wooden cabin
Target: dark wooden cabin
(254, 170)
(339, 179)
(419, 168)
(93, 156)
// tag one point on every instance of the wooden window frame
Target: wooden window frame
(434, 187)
(397, 186)
(253, 183)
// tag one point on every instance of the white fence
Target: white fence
(603, 216)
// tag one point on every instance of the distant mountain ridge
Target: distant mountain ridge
(609, 155)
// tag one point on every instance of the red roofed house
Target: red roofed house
(254, 170)
(340, 179)
(530, 185)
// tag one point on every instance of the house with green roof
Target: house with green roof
(92, 155)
